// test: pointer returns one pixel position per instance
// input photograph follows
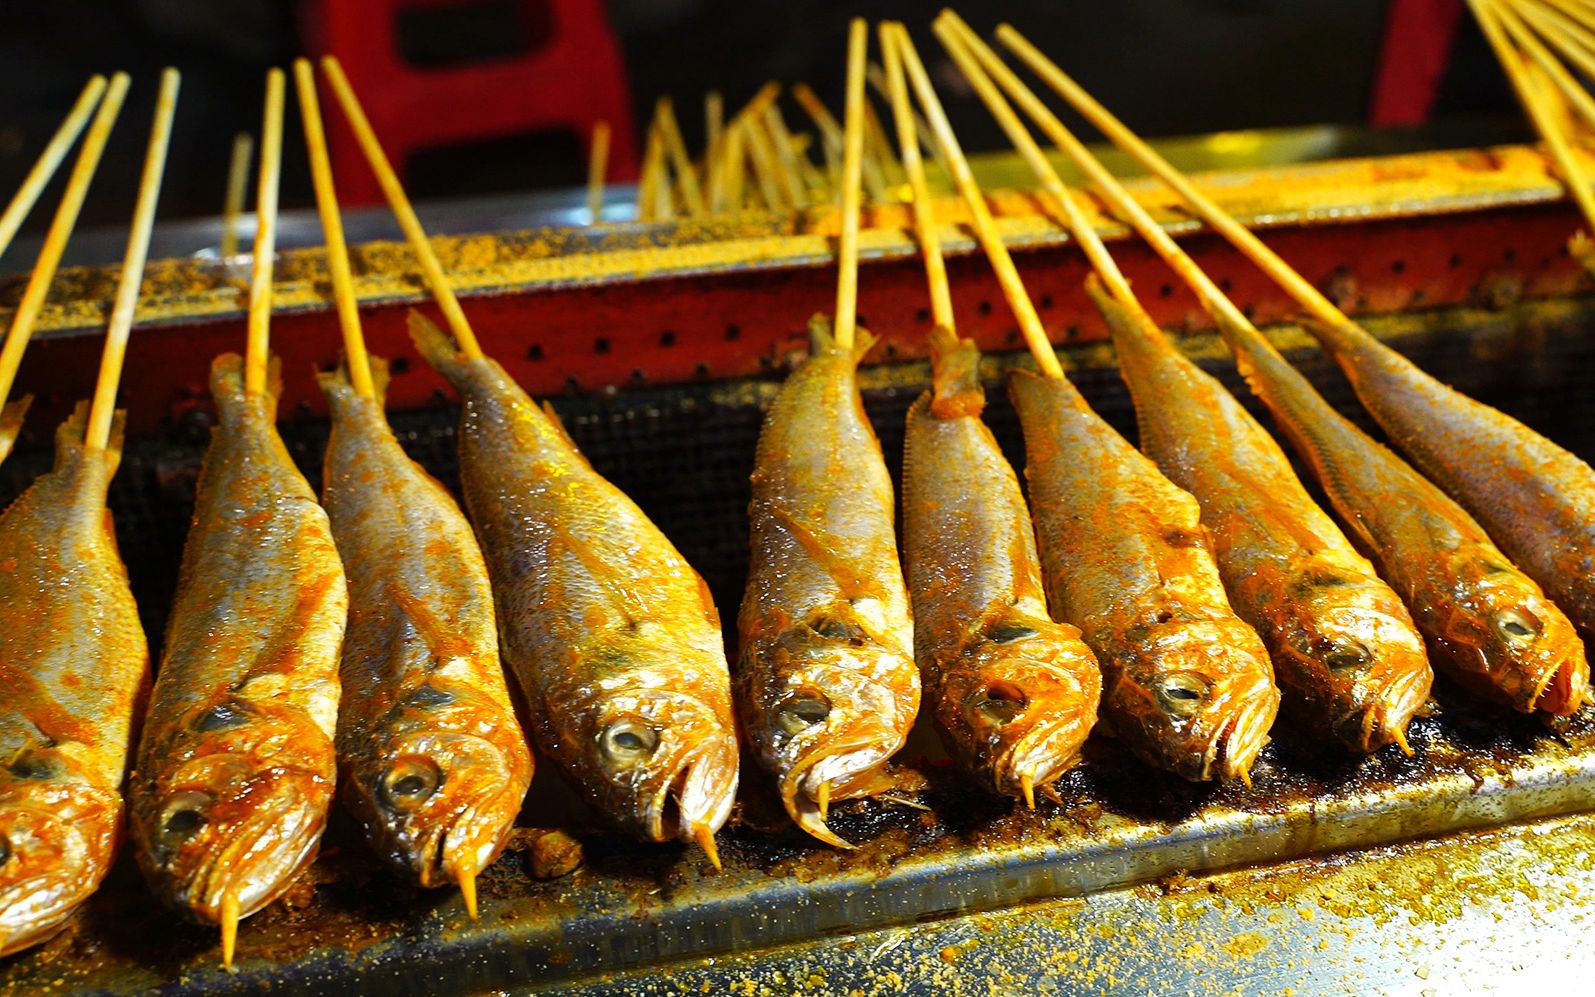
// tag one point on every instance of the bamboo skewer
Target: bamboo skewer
(132, 277)
(985, 228)
(941, 302)
(237, 189)
(257, 356)
(436, 279)
(714, 135)
(354, 347)
(1571, 90)
(877, 147)
(49, 161)
(654, 176)
(1558, 31)
(66, 216)
(785, 157)
(922, 134)
(852, 166)
(686, 176)
(597, 168)
(733, 172)
(825, 123)
(765, 169)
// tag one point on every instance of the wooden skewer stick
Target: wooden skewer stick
(653, 164)
(257, 355)
(714, 134)
(49, 161)
(1571, 28)
(879, 148)
(852, 166)
(597, 169)
(977, 60)
(985, 228)
(354, 344)
(436, 279)
(686, 176)
(237, 187)
(825, 122)
(765, 169)
(927, 142)
(971, 54)
(941, 300)
(733, 167)
(1570, 89)
(1492, 21)
(125, 304)
(785, 157)
(66, 216)
(1297, 286)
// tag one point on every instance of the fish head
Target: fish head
(838, 703)
(1194, 695)
(1520, 642)
(1018, 700)
(1370, 670)
(56, 843)
(241, 816)
(440, 780)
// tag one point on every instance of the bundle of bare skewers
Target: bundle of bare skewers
(1186, 592)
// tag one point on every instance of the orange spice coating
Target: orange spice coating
(74, 673)
(11, 417)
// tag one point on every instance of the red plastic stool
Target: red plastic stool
(573, 80)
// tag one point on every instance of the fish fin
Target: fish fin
(435, 345)
(11, 423)
(227, 386)
(822, 338)
(955, 376)
(69, 436)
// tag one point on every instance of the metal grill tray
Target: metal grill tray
(942, 849)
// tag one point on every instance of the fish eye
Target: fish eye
(1007, 633)
(1182, 693)
(629, 742)
(1517, 626)
(34, 764)
(428, 697)
(1347, 655)
(223, 716)
(837, 629)
(1000, 703)
(410, 782)
(801, 710)
(183, 816)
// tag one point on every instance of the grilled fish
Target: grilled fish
(1345, 650)
(236, 766)
(431, 759)
(826, 678)
(1014, 694)
(1536, 500)
(74, 667)
(11, 417)
(1496, 632)
(1187, 684)
(609, 631)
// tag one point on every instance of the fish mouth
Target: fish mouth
(1241, 737)
(1043, 753)
(837, 770)
(694, 800)
(50, 862)
(1563, 687)
(1386, 721)
(236, 865)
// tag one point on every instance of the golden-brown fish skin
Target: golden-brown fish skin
(1187, 685)
(1536, 500)
(1014, 693)
(826, 680)
(431, 760)
(1346, 654)
(609, 631)
(1492, 627)
(74, 665)
(236, 763)
(11, 417)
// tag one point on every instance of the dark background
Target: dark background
(1168, 67)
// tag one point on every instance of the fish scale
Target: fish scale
(74, 663)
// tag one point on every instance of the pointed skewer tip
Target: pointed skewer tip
(1027, 785)
(822, 800)
(1400, 737)
(704, 836)
(467, 880)
(1245, 777)
(229, 924)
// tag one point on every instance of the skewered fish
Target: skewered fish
(431, 759)
(826, 680)
(1186, 684)
(11, 417)
(609, 631)
(236, 765)
(1014, 693)
(74, 665)
(1497, 632)
(1344, 648)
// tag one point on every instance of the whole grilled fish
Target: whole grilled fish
(1536, 499)
(74, 670)
(1187, 684)
(431, 759)
(826, 678)
(1344, 648)
(609, 631)
(11, 417)
(236, 766)
(1497, 633)
(1014, 694)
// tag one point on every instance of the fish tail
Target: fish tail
(955, 376)
(227, 386)
(339, 389)
(822, 338)
(435, 345)
(69, 436)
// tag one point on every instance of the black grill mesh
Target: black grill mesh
(684, 453)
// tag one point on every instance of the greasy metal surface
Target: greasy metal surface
(944, 849)
(627, 305)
